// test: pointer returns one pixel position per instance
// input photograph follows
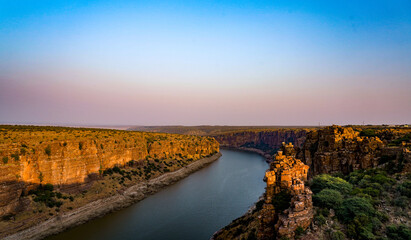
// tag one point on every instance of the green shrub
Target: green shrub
(405, 189)
(281, 201)
(328, 198)
(376, 224)
(5, 159)
(324, 181)
(48, 187)
(80, 145)
(353, 207)
(401, 201)
(368, 133)
(400, 232)
(323, 211)
(15, 156)
(372, 191)
(23, 151)
(45, 194)
(383, 217)
(337, 235)
(360, 228)
(319, 220)
(116, 169)
(382, 178)
(299, 231)
(47, 150)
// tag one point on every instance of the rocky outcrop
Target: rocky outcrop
(285, 177)
(340, 149)
(268, 141)
(72, 158)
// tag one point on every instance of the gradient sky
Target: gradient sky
(205, 62)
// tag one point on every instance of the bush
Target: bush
(80, 145)
(353, 207)
(360, 228)
(15, 156)
(337, 235)
(368, 133)
(328, 198)
(319, 220)
(117, 170)
(324, 181)
(281, 201)
(45, 194)
(47, 150)
(23, 151)
(383, 217)
(400, 232)
(48, 187)
(323, 211)
(405, 189)
(299, 231)
(5, 160)
(401, 202)
(382, 178)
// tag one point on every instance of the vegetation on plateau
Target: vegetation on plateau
(360, 205)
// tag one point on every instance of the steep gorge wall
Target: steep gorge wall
(332, 149)
(340, 149)
(72, 163)
(269, 141)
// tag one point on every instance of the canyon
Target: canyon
(75, 160)
(329, 150)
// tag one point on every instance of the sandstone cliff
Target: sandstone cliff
(268, 141)
(337, 149)
(340, 149)
(100, 207)
(71, 158)
(288, 202)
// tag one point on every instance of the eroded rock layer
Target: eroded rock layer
(285, 177)
(269, 141)
(70, 158)
(340, 149)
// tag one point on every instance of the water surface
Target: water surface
(193, 208)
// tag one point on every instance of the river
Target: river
(193, 208)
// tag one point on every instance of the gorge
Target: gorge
(97, 165)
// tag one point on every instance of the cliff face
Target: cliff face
(340, 149)
(77, 157)
(288, 202)
(269, 141)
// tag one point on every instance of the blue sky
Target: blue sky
(205, 62)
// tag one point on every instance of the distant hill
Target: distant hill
(205, 130)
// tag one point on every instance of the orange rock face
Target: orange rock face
(288, 174)
(75, 157)
(340, 149)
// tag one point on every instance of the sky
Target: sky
(205, 62)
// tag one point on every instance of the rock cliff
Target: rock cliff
(71, 158)
(268, 141)
(288, 202)
(340, 149)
